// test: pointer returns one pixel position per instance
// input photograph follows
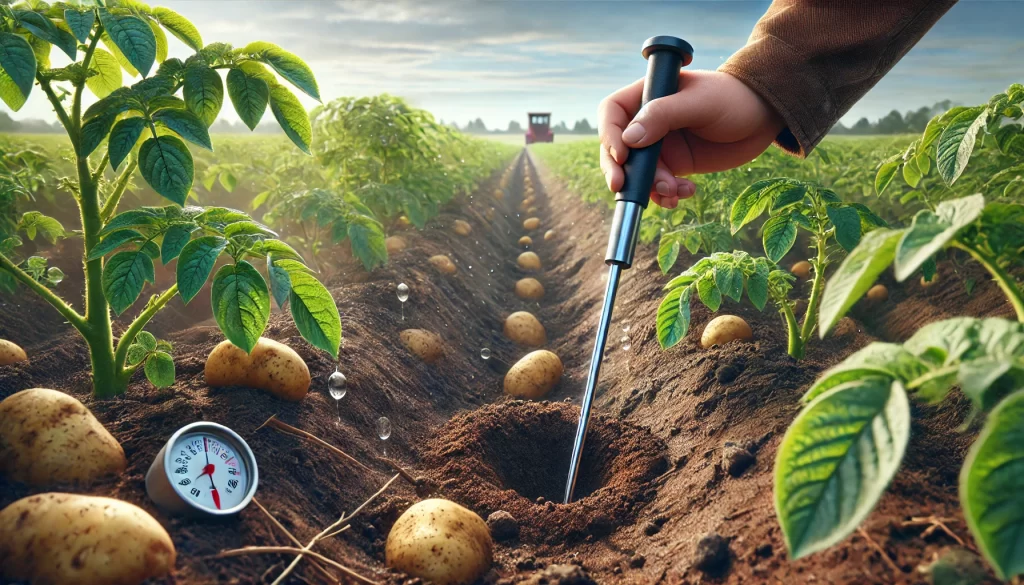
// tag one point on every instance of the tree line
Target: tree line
(477, 126)
(894, 122)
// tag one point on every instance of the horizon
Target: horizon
(496, 60)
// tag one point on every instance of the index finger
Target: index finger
(614, 114)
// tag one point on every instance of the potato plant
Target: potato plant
(145, 127)
(726, 275)
(845, 446)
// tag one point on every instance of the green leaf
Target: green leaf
(146, 339)
(315, 312)
(241, 304)
(179, 26)
(287, 65)
(779, 236)
(673, 319)
(112, 242)
(144, 217)
(123, 138)
(19, 63)
(80, 22)
(136, 353)
(955, 145)
(133, 38)
(885, 174)
(729, 280)
(175, 239)
(789, 197)
(185, 124)
(228, 181)
(368, 244)
(124, 275)
(280, 282)
(167, 166)
(161, 41)
(991, 488)
(930, 232)
(708, 292)
(757, 285)
(847, 223)
(160, 369)
(291, 116)
(878, 359)
(108, 74)
(204, 92)
(754, 200)
(43, 28)
(856, 274)
(95, 131)
(249, 95)
(836, 460)
(33, 221)
(668, 252)
(195, 264)
(911, 173)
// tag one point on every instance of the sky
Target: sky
(499, 59)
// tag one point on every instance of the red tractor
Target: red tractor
(540, 128)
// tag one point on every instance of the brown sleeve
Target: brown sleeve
(813, 59)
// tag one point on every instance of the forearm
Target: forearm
(812, 60)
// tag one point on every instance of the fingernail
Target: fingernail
(685, 190)
(615, 155)
(634, 133)
(661, 188)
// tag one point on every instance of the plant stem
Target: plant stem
(820, 263)
(62, 115)
(137, 325)
(48, 295)
(796, 341)
(110, 205)
(1002, 278)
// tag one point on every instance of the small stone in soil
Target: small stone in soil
(651, 528)
(503, 526)
(637, 561)
(736, 458)
(712, 554)
(727, 373)
(957, 566)
(764, 550)
(561, 575)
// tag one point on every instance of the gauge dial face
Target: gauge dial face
(208, 471)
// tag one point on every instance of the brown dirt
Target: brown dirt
(681, 406)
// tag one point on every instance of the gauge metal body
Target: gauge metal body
(204, 468)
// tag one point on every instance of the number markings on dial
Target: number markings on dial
(223, 472)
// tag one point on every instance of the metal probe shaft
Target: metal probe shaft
(665, 55)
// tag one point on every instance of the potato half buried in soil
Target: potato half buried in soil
(499, 194)
(395, 244)
(526, 241)
(529, 261)
(723, 329)
(462, 227)
(271, 366)
(801, 269)
(529, 289)
(423, 344)
(49, 437)
(523, 328)
(67, 539)
(443, 263)
(441, 542)
(531, 224)
(878, 294)
(11, 353)
(534, 375)
(550, 235)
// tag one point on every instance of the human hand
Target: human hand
(714, 123)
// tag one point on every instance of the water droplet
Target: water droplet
(403, 292)
(485, 353)
(626, 327)
(337, 385)
(626, 343)
(383, 428)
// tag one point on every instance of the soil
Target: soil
(677, 479)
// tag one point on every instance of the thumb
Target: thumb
(685, 109)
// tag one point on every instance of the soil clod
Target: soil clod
(712, 554)
(561, 575)
(736, 458)
(503, 525)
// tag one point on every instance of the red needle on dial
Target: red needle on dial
(208, 469)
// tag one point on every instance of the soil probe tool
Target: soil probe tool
(665, 56)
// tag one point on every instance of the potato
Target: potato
(524, 329)
(527, 203)
(443, 264)
(271, 366)
(801, 269)
(489, 214)
(11, 353)
(499, 194)
(67, 539)
(395, 244)
(550, 235)
(723, 329)
(423, 344)
(525, 241)
(534, 375)
(529, 289)
(403, 221)
(49, 437)
(924, 284)
(878, 294)
(529, 261)
(531, 224)
(462, 227)
(440, 541)
(532, 210)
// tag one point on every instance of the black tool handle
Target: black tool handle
(665, 56)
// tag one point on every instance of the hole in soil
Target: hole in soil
(506, 456)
